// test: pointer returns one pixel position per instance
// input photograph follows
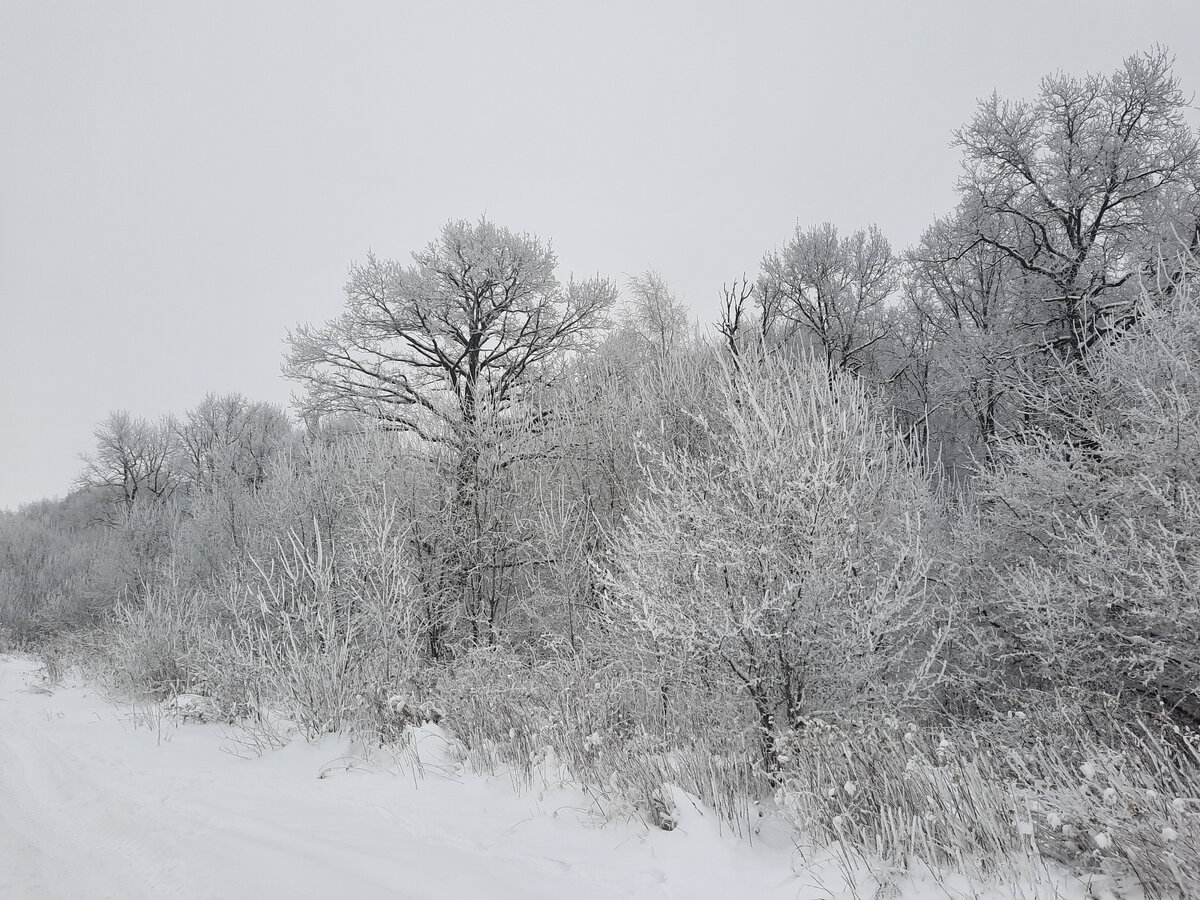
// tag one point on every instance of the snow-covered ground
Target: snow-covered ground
(100, 800)
(114, 801)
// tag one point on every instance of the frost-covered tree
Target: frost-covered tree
(789, 557)
(1094, 514)
(832, 291)
(968, 302)
(445, 348)
(228, 448)
(134, 460)
(479, 313)
(1071, 186)
(230, 436)
(653, 315)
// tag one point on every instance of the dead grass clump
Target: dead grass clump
(999, 803)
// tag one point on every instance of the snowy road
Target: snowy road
(94, 804)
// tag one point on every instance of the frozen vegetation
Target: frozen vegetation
(151, 800)
(147, 800)
(886, 586)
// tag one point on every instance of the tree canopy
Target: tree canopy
(479, 313)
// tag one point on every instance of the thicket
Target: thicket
(910, 555)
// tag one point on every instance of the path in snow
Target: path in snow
(94, 804)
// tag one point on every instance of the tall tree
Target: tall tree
(1092, 516)
(477, 315)
(230, 437)
(969, 300)
(444, 348)
(833, 290)
(1067, 186)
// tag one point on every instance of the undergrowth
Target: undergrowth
(297, 645)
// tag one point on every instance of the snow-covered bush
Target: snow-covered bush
(322, 631)
(1094, 515)
(582, 719)
(790, 557)
(58, 570)
(150, 642)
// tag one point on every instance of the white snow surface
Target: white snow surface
(104, 800)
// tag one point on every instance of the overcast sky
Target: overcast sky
(180, 183)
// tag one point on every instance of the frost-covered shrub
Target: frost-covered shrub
(1094, 516)
(597, 723)
(147, 647)
(302, 637)
(790, 557)
(55, 577)
(891, 790)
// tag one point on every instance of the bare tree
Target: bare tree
(134, 459)
(1092, 516)
(421, 347)
(1066, 185)
(834, 289)
(971, 302)
(445, 348)
(231, 436)
(733, 314)
(653, 314)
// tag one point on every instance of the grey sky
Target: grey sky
(182, 182)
